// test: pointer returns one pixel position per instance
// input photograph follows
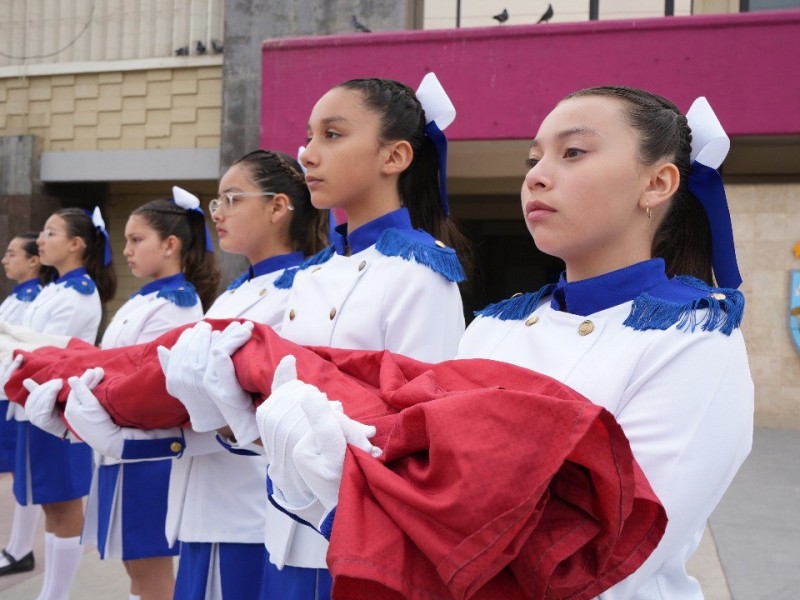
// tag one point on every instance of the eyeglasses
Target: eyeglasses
(48, 233)
(228, 197)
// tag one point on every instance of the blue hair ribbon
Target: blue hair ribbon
(188, 201)
(710, 146)
(439, 113)
(100, 226)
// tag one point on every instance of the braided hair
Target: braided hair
(279, 173)
(79, 224)
(683, 238)
(199, 266)
(402, 118)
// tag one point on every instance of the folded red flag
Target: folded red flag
(495, 481)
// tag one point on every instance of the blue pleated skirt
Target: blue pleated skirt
(8, 440)
(131, 509)
(295, 583)
(48, 469)
(219, 571)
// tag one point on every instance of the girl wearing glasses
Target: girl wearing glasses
(22, 265)
(389, 281)
(48, 470)
(216, 504)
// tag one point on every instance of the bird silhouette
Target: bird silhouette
(184, 51)
(547, 15)
(502, 17)
(217, 46)
(358, 25)
(200, 47)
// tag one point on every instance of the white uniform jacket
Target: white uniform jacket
(667, 359)
(214, 495)
(396, 290)
(68, 306)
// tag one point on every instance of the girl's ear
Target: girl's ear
(172, 246)
(76, 244)
(397, 156)
(662, 185)
(34, 261)
(280, 205)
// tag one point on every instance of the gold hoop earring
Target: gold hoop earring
(649, 214)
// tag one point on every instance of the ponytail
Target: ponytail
(402, 118)
(683, 238)
(198, 265)
(279, 173)
(79, 224)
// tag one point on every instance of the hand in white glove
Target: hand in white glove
(7, 368)
(319, 455)
(87, 417)
(281, 423)
(184, 367)
(220, 383)
(40, 407)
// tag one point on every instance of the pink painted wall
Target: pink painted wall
(503, 80)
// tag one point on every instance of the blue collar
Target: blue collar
(159, 284)
(74, 274)
(27, 290)
(275, 263)
(610, 289)
(366, 235)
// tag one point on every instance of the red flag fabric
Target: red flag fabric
(495, 481)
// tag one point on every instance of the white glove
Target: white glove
(287, 434)
(40, 407)
(319, 455)
(87, 417)
(220, 382)
(184, 367)
(7, 368)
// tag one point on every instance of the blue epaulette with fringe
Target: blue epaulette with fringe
(82, 285)
(184, 294)
(285, 281)
(237, 283)
(28, 293)
(517, 307)
(694, 304)
(421, 247)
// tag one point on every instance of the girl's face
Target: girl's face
(148, 256)
(18, 265)
(343, 154)
(243, 227)
(582, 197)
(56, 248)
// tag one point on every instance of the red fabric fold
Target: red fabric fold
(495, 481)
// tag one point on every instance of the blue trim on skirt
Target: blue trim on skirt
(295, 583)
(144, 508)
(8, 440)
(59, 469)
(241, 568)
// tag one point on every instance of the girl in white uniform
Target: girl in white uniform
(387, 282)
(51, 471)
(216, 503)
(165, 241)
(634, 323)
(21, 264)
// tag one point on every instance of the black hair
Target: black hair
(198, 265)
(683, 238)
(79, 224)
(279, 173)
(402, 118)
(31, 248)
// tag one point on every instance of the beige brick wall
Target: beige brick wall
(766, 222)
(129, 110)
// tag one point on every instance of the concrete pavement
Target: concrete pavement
(751, 550)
